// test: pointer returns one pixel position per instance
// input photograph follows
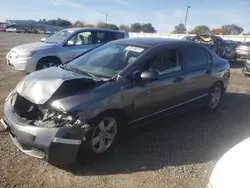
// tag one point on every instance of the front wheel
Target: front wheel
(47, 63)
(215, 97)
(101, 137)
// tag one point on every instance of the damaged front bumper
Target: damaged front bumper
(58, 145)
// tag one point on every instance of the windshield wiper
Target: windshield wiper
(50, 42)
(84, 71)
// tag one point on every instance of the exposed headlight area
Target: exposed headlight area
(42, 115)
(13, 92)
(53, 118)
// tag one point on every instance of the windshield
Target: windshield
(59, 37)
(107, 60)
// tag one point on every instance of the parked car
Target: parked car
(49, 35)
(41, 31)
(216, 44)
(246, 68)
(20, 30)
(243, 50)
(232, 170)
(82, 106)
(11, 29)
(2, 29)
(60, 48)
(188, 38)
(233, 43)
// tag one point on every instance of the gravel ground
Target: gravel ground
(180, 151)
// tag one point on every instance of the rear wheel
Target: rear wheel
(47, 63)
(215, 97)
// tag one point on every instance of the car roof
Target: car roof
(95, 29)
(149, 42)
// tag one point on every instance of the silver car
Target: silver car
(59, 48)
(243, 50)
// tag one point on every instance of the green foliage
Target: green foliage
(232, 29)
(57, 22)
(146, 28)
(200, 29)
(179, 29)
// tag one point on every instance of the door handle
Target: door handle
(209, 72)
(179, 79)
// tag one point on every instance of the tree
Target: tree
(136, 27)
(112, 26)
(146, 28)
(218, 31)
(57, 22)
(232, 29)
(124, 27)
(79, 24)
(107, 26)
(200, 29)
(179, 29)
(89, 25)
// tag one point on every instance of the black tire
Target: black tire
(49, 60)
(217, 87)
(86, 150)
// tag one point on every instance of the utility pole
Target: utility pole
(106, 18)
(188, 7)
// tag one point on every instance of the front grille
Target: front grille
(23, 107)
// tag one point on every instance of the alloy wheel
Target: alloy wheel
(104, 135)
(215, 97)
(48, 65)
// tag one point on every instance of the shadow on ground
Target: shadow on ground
(237, 64)
(194, 137)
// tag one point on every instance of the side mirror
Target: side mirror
(70, 43)
(43, 39)
(141, 77)
(149, 75)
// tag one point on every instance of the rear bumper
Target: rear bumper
(56, 145)
(243, 53)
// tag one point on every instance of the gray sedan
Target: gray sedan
(81, 107)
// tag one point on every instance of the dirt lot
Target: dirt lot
(175, 152)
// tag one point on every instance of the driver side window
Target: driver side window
(82, 38)
(166, 61)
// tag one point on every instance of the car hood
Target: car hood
(232, 170)
(32, 46)
(53, 83)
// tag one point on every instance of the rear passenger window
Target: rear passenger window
(194, 57)
(118, 36)
(115, 36)
(104, 37)
(100, 37)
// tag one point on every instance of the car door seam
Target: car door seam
(172, 107)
